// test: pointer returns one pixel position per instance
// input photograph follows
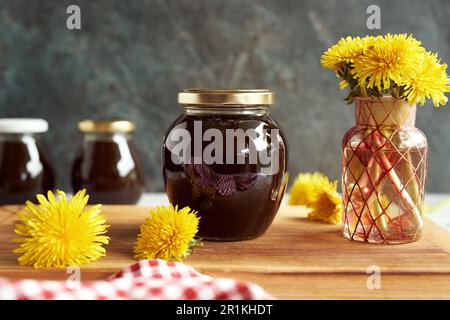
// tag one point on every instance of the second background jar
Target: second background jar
(108, 163)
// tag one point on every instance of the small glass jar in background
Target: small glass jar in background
(108, 164)
(25, 169)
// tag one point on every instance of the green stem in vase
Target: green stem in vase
(396, 181)
(406, 169)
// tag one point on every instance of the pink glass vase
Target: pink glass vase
(384, 169)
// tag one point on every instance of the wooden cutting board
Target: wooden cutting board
(295, 259)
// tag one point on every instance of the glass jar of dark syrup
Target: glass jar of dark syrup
(25, 169)
(108, 163)
(226, 158)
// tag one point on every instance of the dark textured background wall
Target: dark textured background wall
(132, 57)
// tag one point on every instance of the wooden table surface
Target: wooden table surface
(295, 259)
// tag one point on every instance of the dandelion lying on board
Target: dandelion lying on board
(168, 233)
(318, 193)
(61, 232)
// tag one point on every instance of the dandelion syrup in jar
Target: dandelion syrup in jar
(25, 168)
(108, 163)
(226, 158)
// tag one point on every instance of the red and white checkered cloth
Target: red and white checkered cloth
(144, 280)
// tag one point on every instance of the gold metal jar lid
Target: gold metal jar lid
(235, 97)
(106, 126)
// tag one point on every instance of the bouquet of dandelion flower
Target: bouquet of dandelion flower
(384, 155)
(394, 65)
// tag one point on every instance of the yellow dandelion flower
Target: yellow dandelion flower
(430, 81)
(327, 207)
(306, 188)
(347, 50)
(167, 234)
(391, 59)
(343, 84)
(318, 193)
(60, 232)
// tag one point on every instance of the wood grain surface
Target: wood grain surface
(295, 259)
